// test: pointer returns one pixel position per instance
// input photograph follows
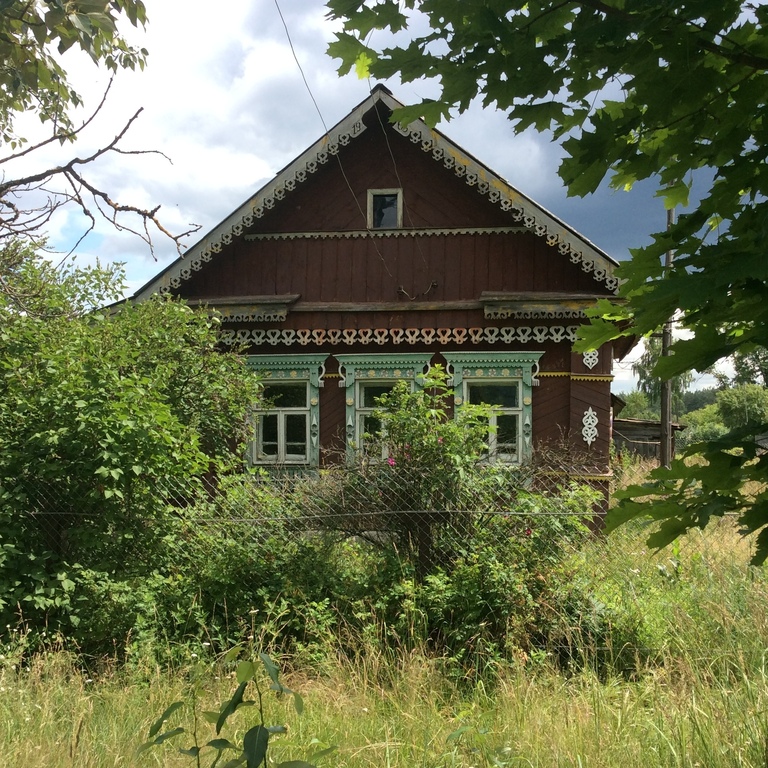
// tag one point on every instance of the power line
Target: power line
(325, 129)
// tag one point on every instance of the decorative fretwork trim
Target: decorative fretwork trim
(589, 426)
(591, 358)
(368, 233)
(291, 367)
(508, 313)
(523, 210)
(524, 334)
(250, 309)
(386, 366)
(574, 376)
(530, 215)
(529, 306)
(493, 365)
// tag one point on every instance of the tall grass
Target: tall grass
(694, 693)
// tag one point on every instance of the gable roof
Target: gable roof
(530, 215)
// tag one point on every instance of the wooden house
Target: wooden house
(384, 249)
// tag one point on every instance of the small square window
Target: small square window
(385, 209)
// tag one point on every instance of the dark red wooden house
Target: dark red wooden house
(382, 250)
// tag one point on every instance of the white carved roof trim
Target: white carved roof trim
(569, 242)
(276, 189)
(350, 234)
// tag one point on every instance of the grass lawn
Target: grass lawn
(697, 697)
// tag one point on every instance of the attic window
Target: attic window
(385, 208)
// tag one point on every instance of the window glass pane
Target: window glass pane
(384, 211)
(373, 391)
(371, 425)
(285, 395)
(295, 436)
(268, 428)
(506, 433)
(502, 395)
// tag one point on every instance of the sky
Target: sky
(225, 103)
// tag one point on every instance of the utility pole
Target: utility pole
(665, 453)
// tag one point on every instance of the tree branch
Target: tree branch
(17, 221)
(741, 56)
(69, 136)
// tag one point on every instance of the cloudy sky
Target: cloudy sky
(224, 100)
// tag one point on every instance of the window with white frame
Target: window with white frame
(368, 423)
(505, 420)
(366, 378)
(282, 435)
(287, 424)
(385, 208)
(503, 381)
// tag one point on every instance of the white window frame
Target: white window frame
(496, 411)
(289, 369)
(282, 457)
(373, 193)
(467, 368)
(362, 410)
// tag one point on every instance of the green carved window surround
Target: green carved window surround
(503, 380)
(288, 426)
(365, 376)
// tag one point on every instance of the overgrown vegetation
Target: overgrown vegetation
(96, 408)
(423, 572)
(699, 697)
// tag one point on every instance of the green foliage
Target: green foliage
(95, 408)
(253, 750)
(751, 366)
(637, 406)
(650, 384)
(701, 425)
(745, 405)
(33, 37)
(420, 434)
(699, 398)
(591, 73)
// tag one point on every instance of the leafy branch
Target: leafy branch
(252, 751)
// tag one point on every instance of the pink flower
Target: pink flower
(439, 440)
(391, 461)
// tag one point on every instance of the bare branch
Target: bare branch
(18, 221)
(69, 136)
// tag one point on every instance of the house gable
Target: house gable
(290, 205)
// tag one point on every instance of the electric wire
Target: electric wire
(325, 128)
(406, 207)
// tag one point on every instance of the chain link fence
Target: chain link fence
(371, 501)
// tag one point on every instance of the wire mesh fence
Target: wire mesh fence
(372, 502)
(484, 545)
(378, 502)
